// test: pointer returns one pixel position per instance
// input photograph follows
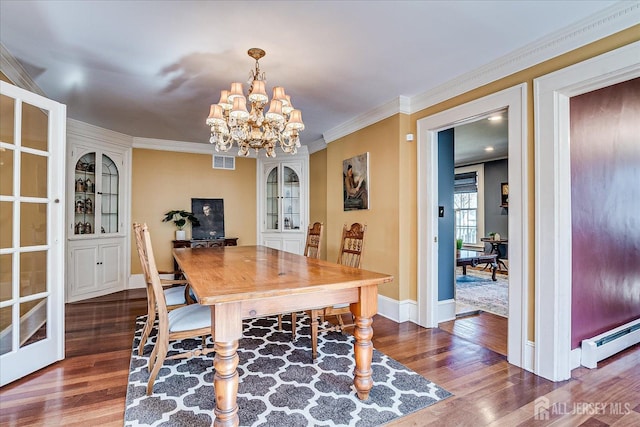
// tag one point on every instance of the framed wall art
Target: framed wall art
(210, 213)
(355, 181)
(504, 194)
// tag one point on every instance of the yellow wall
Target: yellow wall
(392, 220)
(381, 140)
(318, 193)
(163, 181)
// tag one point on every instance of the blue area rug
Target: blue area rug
(479, 290)
(279, 383)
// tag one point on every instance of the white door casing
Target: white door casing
(515, 100)
(19, 357)
(552, 93)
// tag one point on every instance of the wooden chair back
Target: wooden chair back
(352, 245)
(142, 252)
(154, 282)
(314, 240)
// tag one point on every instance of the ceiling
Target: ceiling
(481, 140)
(151, 69)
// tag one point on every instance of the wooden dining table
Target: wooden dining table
(253, 281)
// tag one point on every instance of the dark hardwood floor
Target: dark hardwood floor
(88, 388)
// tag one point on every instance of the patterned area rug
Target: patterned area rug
(478, 290)
(279, 383)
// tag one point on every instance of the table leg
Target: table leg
(363, 349)
(494, 268)
(227, 330)
(464, 269)
(225, 383)
(363, 312)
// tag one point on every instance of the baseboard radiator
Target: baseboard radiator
(609, 343)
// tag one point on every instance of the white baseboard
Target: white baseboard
(136, 281)
(446, 310)
(398, 311)
(529, 356)
(576, 357)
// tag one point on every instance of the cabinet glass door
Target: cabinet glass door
(109, 196)
(85, 195)
(96, 195)
(272, 199)
(290, 199)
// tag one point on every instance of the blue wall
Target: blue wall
(446, 232)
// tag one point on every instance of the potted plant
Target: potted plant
(180, 219)
(458, 246)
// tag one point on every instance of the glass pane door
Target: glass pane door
(31, 236)
(291, 199)
(109, 196)
(272, 199)
(85, 195)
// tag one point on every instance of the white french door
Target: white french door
(32, 155)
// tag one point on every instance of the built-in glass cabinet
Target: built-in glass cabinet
(283, 203)
(283, 199)
(96, 195)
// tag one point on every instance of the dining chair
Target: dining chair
(351, 248)
(177, 293)
(312, 249)
(189, 321)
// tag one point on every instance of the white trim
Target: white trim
(553, 198)
(515, 99)
(446, 310)
(401, 104)
(576, 357)
(317, 145)
(86, 132)
(136, 281)
(200, 148)
(529, 356)
(175, 146)
(398, 311)
(611, 20)
(479, 170)
(16, 72)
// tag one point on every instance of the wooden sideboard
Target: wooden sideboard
(208, 243)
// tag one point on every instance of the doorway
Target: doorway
(481, 215)
(431, 311)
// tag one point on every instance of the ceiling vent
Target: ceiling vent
(224, 162)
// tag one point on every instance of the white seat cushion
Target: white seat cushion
(189, 317)
(175, 295)
(341, 305)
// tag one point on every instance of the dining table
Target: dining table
(240, 282)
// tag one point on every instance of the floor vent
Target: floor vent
(224, 162)
(604, 345)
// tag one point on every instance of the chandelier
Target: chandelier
(231, 122)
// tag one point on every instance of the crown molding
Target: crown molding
(175, 146)
(317, 145)
(16, 72)
(196, 147)
(85, 131)
(618, 17)
(401, 104)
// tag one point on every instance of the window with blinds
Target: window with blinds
(465, 205)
